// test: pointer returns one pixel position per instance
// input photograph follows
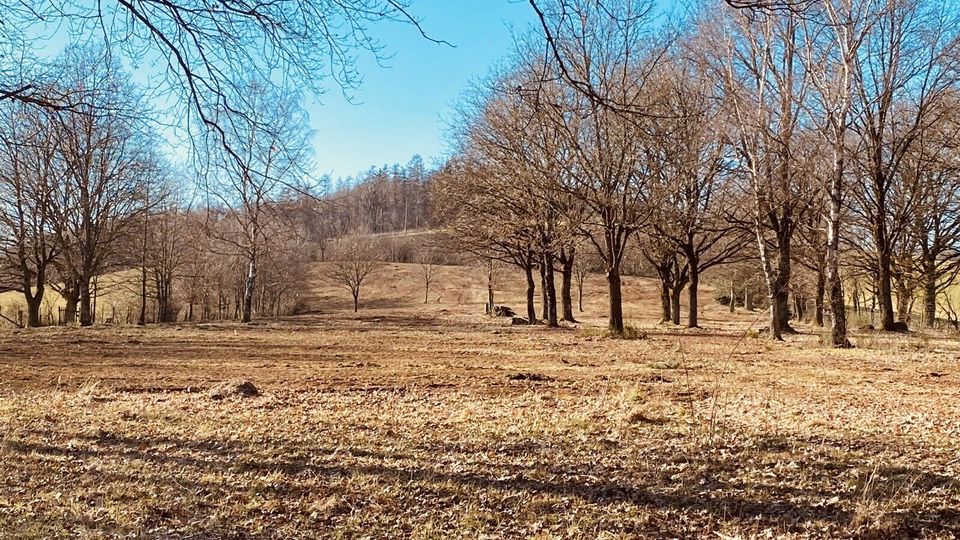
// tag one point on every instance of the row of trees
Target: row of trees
(689, 146)
(382, 200)
(822, 134)
(220, 79)
(73, 182)
(85, 191)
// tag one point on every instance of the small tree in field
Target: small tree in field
(356, 262)
(426, 268)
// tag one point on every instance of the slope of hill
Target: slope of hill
(117, 298)
(400, 286)
(462, 289)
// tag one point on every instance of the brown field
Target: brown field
(431, 421)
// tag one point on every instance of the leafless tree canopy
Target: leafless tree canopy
(356, 262)
(803, 151)
(689, 139)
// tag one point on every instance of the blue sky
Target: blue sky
(402, 109)
(399, 109)
(404, 104)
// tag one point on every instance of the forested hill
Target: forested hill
(385, 199)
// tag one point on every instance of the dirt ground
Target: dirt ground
(432, 421)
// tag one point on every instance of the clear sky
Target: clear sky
(404, 104)
(402, 109)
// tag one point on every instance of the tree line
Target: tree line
(810, 143)
(87, 190)
(814, 138)
(213, 80)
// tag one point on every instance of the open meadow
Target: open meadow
(412, 420)
(481, 269)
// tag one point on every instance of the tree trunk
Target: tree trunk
(929, 307)
(34, 301)
(747, 298)
(774, 280)
(733, 296)
(490, 304)
(566, 284)
(356, 300)
(247, 310)
(904, 301)
(86, 312)
(531, 294)
(783, 305)
(775, 319)
(838, 309)
(693, 320)
(544, 301)
(885, 291)
(929, 294)
(783, 284)
(71, 297)
(616, 301)
(166, 300)
(551, 290)
(675, 304)
(778, 304)
(142, 320)
(818, 301)
(664, 300)
(580, 293)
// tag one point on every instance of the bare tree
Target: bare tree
(696, 195)
(557, 17)
(935, 227)
(757, 60)
(567, 258)
(505, 197)
(273, 161)
(832, 53)
(167, 255)
(29, 171)
(672, 271)
(522, 151)
(356, 262)
(613, 46)
(904, 69)
(582, 267)
(108, 156)
(206, 52)
(811, 253)
(427, 270)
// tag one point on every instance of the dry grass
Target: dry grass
(118, 297)
(431, 422)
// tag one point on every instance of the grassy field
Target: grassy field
(118, 298)
(414, 420)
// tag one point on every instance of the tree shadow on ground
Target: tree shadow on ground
(711, 485)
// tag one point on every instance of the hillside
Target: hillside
(456, 289)
(117, 298)
(462, 290)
